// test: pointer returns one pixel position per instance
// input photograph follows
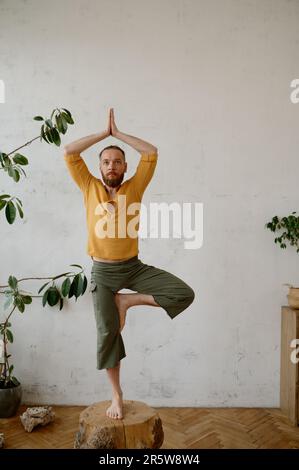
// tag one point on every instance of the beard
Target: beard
(113, 181)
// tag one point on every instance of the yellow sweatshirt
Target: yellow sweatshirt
(112, 223)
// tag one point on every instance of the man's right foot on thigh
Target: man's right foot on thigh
(122, 307)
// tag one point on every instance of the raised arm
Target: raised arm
(140, 145)
(75, 163)
(84, 143)
(147, 162)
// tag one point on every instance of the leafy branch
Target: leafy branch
(49, 132)
(290, 225)
(51, 294)
(73, 285)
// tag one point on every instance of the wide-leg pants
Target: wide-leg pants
(169, 291)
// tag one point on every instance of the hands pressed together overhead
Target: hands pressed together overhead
(111, 129)
(84, 143)
(138, 144)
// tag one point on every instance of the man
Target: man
(116, 264)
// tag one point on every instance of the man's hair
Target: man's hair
(112, 147)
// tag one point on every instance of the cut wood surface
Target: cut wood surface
(140, 427)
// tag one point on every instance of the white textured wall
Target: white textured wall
(208, 82)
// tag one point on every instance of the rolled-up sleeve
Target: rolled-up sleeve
(144, 172)
(78, 170)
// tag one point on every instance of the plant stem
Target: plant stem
(6, 363)
(27, 143)
(53, 277)
(6, 321)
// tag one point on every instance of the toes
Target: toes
(114, 414)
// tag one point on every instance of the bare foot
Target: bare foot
(122, 306)
(115, 410)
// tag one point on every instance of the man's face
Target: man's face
(112, 167)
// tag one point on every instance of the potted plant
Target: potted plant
(73, 285)
(289, 226)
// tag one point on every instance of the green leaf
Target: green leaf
(27, 299)
(2, 204)
(49, 135)
(65, 287)
(59, 123)
(20, 159)
(38, 118)
(84, 285)
(6, 160)
(73, 287)
(15, 381)
(13, 173)
(44, 299)
(77, 265)
(79, 285)
(64, 122)
(12, 282)
(21, 170)
(10, 212)
(9, 336)
(20, 304)
(43, 135)
(53, 296)
(66, 111)
(3, 196)
(61, 303)
(21, 214)
(16, 175)
(43, 286)
(56, 137)
(68, 116)
(49, 123)
(10, 169)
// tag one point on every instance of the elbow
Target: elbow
(68, 150)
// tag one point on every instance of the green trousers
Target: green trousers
(169, 291)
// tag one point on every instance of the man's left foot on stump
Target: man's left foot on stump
(115, 410)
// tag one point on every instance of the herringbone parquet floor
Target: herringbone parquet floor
(184, 428)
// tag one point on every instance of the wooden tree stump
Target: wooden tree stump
(140, 428)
